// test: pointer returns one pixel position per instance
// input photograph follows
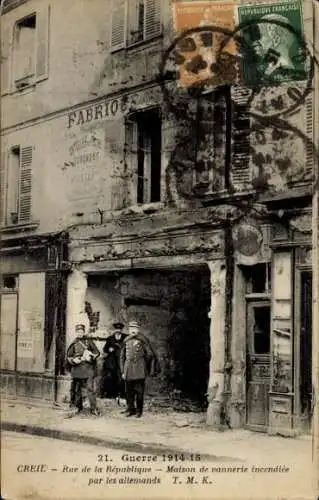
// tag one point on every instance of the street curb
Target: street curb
(119, 444)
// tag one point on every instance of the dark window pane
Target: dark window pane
(262, 330)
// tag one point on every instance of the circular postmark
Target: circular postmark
(278, 77)
(189, 70)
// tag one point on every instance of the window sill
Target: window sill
(146, 208)
(27, 89)
(137, 45)
(23, 90)
(16, 228)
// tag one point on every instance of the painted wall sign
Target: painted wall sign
(102, 111)
(85, 165)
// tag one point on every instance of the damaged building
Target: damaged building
(114, 204)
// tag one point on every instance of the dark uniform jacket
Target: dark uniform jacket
(136, 358)
(112, 348)
(84, 369)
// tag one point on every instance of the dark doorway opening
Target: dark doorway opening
(305, 381)
(190, 338)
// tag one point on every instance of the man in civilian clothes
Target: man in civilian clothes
(136, 360)
(81, 356)
(112, 384)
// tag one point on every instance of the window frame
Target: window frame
(29, 78)
(143, 184)
(41, 52)
(24, 187)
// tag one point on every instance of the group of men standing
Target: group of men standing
(128, 360)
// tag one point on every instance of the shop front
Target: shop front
(32, 317)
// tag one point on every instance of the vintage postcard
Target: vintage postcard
(159, 265)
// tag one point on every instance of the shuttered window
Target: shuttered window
(17, 186)
(118, 32)
(134, 21)
(240, 165)
(25, 184)
(308, 110)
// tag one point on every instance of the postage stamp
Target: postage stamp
(198, 51)
(272, 51)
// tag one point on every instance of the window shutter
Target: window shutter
(240, 165)
(309, 133)
(118, 31)
(6, 44)
(152, 21)
(42, 26)
(25, 184)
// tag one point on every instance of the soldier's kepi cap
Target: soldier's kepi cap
(118, 325)
(133, 324)
(80, 327)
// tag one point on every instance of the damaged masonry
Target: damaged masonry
(195, 224)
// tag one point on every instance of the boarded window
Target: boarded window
(31, 317)
(134, 21)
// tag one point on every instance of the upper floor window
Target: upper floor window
(16, 186)
(144, 137)
(134, 21)
(212, 138)
(258, 278)
(24, 50)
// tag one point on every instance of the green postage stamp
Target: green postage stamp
(271, 44)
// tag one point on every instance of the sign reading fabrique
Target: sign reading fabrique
(96, 112)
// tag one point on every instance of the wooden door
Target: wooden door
(258, 364)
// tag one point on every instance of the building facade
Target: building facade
(113, 207)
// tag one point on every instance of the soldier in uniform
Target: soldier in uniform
(81, 355)
(136, 360)
(112, 383)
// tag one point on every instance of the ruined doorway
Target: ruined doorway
(305, 378)
(258, 363)
(172, 308)
(171, 305)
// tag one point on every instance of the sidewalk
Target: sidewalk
(155, 432)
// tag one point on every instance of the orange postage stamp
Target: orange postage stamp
(200, 49)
